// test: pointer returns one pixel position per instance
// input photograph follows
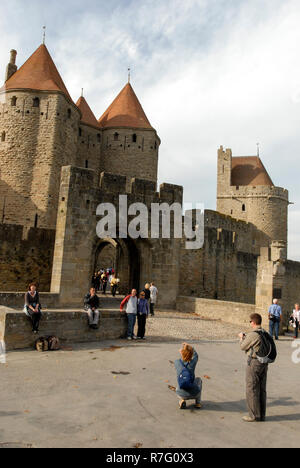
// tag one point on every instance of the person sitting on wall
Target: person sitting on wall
(33, 307)
(92, 305)
(189, 387)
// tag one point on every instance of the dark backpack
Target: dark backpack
(267, 352)
(185, 379)
(41, 345)
(53, 343)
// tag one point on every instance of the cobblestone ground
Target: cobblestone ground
(176, 326)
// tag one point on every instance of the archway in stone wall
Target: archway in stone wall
(123, 255)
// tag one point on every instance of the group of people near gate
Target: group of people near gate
(139, 306)
(103, 279)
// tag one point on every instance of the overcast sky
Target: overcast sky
(207, 72)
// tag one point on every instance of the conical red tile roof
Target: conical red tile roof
(38, 73)
(249, 171)
(87, 114)
(125, 111)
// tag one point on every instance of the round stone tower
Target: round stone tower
(130, 145)
(38, 135)
(246, 192)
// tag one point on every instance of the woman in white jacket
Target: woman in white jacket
(296, 320)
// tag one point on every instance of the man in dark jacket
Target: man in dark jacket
(92, 305)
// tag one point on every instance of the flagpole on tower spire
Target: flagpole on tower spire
(129, 74)
(44, 35)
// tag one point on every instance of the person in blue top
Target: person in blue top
(189, 359)
(142, 314)
(275, 316)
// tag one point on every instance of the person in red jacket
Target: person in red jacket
(130, 302)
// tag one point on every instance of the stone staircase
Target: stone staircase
(108, 302)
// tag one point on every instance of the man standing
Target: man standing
(153, 298)
(130, 302)
(275, 316)
(91, 305)
(256, 378)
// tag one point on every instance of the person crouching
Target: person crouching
(189, 387)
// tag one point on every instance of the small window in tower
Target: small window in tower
(36, 221)
(155, 146)
(3, 136)
(134, 138)
(13, 101)
(80, 131)
(99, 138)
(86, 164)
(244, 208)
(36, 102)
(69, 113)
(116, 137)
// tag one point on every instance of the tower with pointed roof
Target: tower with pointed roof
(39, 124)
(130, 144)
(247, 192)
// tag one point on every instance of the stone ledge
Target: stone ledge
(230, 312)
(70, 326)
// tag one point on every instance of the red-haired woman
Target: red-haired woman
(185, 367)
(33, 307)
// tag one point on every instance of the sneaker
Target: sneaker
(134, 338)
(129, 338)
(248, 419)
(198, 406)
(182, 404)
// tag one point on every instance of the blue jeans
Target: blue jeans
(131, 325)
(274, 327)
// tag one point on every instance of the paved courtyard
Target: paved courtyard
(116, 394)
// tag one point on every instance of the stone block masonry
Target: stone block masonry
(25, 256)
(69, 326)
(231, 312)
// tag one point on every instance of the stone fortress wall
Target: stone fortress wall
(39, 132)
(130, 152)
(264, 206)
(54, 171)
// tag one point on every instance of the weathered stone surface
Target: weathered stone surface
(69, 326)
(231, 312)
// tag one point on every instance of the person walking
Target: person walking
(142, 314)
(104, 281)
(91, 306)
(130, 303)
(33, 307)
(295, 318)
(153, 298)
(256, 375)
(187, 364)
(114, 285)
(275, 316)
(147, 293)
